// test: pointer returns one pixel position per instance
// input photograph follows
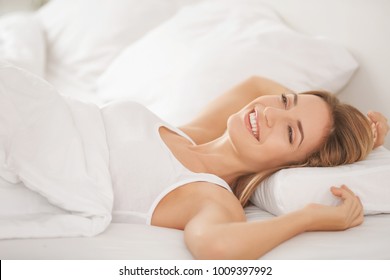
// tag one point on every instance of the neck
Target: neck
(218, 157)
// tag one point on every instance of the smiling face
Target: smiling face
(275, 130)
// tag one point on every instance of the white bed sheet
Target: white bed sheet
(371, 240)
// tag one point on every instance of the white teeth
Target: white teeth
(253, 122)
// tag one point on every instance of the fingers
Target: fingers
(374, 132)
(336, 191)
(373, 116)
(376, 117)
(356, 216)
(342, 191)
(380, 127)
(344, 187)
(360, 214)
(351, 206)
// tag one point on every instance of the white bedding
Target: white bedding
(371, 240)
(55, 147)
(38, 45)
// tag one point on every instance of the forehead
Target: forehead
(311, 105)
(314, 114)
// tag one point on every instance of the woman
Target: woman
(251, 131)
(196, 179)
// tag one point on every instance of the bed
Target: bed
(150, 51)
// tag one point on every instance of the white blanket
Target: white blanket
(53, 151)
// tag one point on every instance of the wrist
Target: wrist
(302, 220)
(308, 218)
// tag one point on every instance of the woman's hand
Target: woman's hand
(380, 127)
(346, 215)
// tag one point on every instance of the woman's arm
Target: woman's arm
(210, 235)
(211, 122)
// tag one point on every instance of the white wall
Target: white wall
(363, 27)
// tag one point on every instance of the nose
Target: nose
(272, 115)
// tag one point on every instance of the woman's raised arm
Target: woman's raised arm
(211, 122)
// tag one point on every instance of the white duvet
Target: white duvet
(53, 160)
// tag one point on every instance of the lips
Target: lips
(253, 124)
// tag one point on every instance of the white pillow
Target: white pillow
(85, 35)
(206, 48)
(292, 189)
(22, 42)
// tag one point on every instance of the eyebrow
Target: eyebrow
(301, 131)
(299, 123)
(295, 98)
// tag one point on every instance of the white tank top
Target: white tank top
(142, 167)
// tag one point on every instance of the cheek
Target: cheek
(278, 151)
(274, 139)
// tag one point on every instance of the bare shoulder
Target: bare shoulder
(178, 207)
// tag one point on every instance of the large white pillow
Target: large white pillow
(22, 42)
(208, 47)
(292, 189)
(84, 36)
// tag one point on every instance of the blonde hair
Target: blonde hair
(349, 140)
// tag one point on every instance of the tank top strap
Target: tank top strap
(205, 177)
(176, 130)
(211, 178)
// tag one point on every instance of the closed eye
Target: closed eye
(284, 100)
(290, 133)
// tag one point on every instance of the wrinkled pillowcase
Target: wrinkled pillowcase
(292, 189)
